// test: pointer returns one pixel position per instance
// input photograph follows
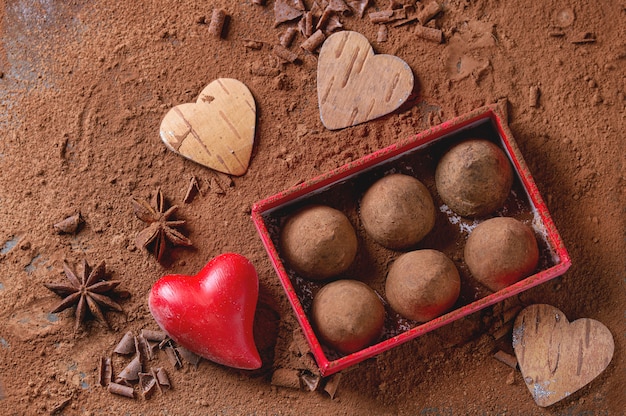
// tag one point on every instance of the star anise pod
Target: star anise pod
(161, 228)
(89, 292)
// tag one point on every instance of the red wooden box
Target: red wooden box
(417, 155)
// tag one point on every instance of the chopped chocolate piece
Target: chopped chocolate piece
(506, 358)
(332, 384)
(161, 377)
(126, 345)
(310, 381)
(358, 6)
(105, 371)
(189, 356)
(382, 16)
(253, 44)
(321, 24)
(383, 34)
(312, 43)
(192, 190)
(147, 383)
(533, 96)
(59, 407)
(333, 24)
(152, 335)
(121, 390)
(143, 349)
(284, 53)
(131, 371)
(259, 2)
(306, 25)
(286, 10)
(338, 6)
(585, 37)
(69, 225)
(287, 38)
(167, 342)
(286, 377)
(172, 355)
(428, 12)
(216, 25)
(429, 33)
(403, 22)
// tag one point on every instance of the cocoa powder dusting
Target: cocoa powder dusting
(84, 86)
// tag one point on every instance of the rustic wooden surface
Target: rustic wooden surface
(557, 357)
(217, 130)
(354, 85)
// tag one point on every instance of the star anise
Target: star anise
(160, 228)
(90, 292)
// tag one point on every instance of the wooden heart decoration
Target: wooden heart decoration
(211, 313)
(216, 131)
(354, 85)
(557, 357)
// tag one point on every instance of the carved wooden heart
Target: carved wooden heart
(354, 85)
(217, 130)
(557, 357)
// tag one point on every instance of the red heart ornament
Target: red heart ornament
(211, 313)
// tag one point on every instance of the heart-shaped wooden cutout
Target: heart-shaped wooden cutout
(354, 85)
(217, 130)
(557, 357)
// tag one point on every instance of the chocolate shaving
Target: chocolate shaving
(69, 225)
(105, 371)
(147, 383)
(167, 342)
(285, 12)
(429, 33)
(358, 6)
(190, 357)
(395, 4)
(216, 25)
(585, 37)
(121, 390)
(306, 25)
(321, 24)
(126, 345)
(161, 377)
(332, 384)
(56, 409)
(506, 358)
(310, 381)
(286, 377)
(193, 189)
(173, 357)
(287, 38)
(428, 12)
(317, 9)
(403, 22)
(284, 53)
(130, 372)
(338, 6)
(253, 44)
(143, 350)
(383, 34)
(312, 43)
(382, 16)
(151, 335)
(333, 24)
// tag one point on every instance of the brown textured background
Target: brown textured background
(84, 87)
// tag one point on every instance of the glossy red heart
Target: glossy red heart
(211, 313)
